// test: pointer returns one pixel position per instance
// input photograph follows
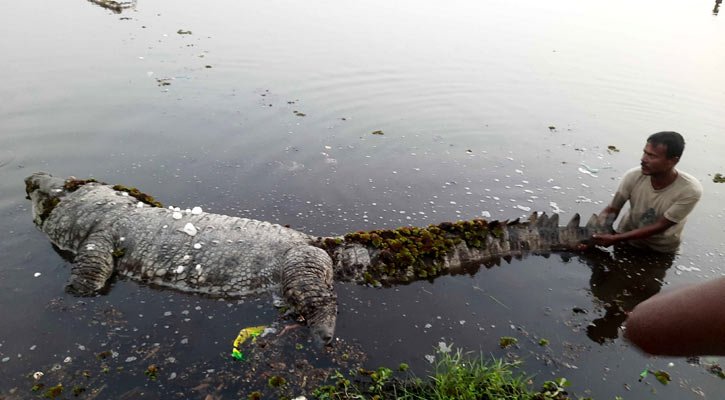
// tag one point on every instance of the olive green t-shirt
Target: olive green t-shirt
(647, 204)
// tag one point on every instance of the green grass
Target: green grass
(455, 376)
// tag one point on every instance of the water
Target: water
(465, 95)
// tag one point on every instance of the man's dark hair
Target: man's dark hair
(673, 140)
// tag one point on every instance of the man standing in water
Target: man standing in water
(660, 198)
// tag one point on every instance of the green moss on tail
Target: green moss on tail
(73, 184)
(417, 252)
(48, 206)
(142, 197)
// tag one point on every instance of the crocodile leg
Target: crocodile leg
(93, 265)
(307, 286)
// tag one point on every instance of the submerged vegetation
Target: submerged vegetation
(455, 376)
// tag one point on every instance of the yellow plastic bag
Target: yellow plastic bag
(244, 334)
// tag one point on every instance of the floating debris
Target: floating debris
(378, 133)
(662, 376)
(37, 274)
(115, 6)
(190, 229)
(613, 148)
(717, 371)
(718, 178)
(276, 381)
(444, 348)
(151, 371)
(507, 341)
(54, 391)
(585, 169)
(183, 32)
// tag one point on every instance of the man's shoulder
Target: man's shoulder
(633, 175)
(690, 183)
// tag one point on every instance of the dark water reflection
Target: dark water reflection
(620, 280)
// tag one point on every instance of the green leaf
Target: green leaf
(662, 376)
(507, 341)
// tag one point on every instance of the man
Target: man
(660, 198)
(684, 321)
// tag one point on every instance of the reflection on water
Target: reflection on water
(115, 6)
(620, 280)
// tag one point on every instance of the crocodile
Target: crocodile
(116, 230)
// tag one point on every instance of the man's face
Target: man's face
(654, 159)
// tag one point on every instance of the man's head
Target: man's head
(662, 152)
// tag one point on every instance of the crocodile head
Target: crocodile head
(45, 192)
(322, 321)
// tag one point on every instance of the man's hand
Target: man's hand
(603, 240)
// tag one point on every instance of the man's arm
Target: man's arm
(686, 321)
(610, 210)
(659, 226)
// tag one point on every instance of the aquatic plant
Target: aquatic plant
(412, 252)
(456, 376)
(276, 381)
(72, 185)
(151, 372)
(135, 193)
(507, 341)
(48, 205)
(55, 391)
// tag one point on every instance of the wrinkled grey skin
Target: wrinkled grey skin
(231, 256)
(228, 256)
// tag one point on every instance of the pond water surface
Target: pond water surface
(266, 110)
